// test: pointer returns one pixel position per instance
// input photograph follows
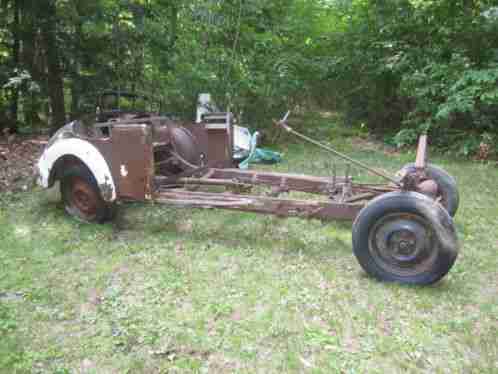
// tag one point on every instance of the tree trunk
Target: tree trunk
(55, 79)
(174, 26)
(75, 97)
(16, 46)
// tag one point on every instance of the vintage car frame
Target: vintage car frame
(403, 229)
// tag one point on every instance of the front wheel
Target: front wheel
(81, 196)
(405, 237)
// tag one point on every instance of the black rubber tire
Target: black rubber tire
(448, 189)
(79, 175)
(439, 250)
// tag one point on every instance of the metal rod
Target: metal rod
(212, 182)
(421, 152)
(338, 154)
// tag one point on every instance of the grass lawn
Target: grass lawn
(180, 290)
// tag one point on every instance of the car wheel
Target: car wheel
(405, 237)
(81, 196)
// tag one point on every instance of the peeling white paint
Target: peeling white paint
(124, 171)
(83, 150)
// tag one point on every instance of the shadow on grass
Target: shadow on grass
(232, 229)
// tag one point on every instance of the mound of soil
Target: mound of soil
(18, 157)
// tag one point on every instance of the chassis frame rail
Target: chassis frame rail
(322, 210)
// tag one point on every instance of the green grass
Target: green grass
(182, 290)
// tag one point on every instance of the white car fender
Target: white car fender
(88, 154)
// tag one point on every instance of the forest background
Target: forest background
(393, 68)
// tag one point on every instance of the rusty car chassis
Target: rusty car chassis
(402, 231)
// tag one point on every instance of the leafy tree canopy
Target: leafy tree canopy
(398, 66)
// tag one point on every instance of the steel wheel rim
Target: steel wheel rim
(83, 199)
(403, 244)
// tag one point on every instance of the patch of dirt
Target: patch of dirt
(236, 316)
(175, 353)
(184, 226)
(217, 363)
(18, 156)
(88, 366)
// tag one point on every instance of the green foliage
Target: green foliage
(402, 65)
(415, 67)
(446, 93)
(22, 78)
(249, 55)
(405, 137)
(475, 90)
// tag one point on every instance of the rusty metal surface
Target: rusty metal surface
(132, 156)
(429, 188)
(410, 177)
(104, 145)
(219, 130)
(322, 210)
(421, 158)
(83, 198)
(219, 151)
(209, 143)
(295, 182)
(338, 189)
(133, 168)
(201, 140)
(204, 182)
(199, 155)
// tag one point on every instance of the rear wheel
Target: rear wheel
(81, 196)
(447, 188)
(405, 237)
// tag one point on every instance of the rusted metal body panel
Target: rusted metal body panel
(132, 156)
(104, 145)
(213, 141)
(219, 130)
(219, 149)
(151, 157)
(201, 138)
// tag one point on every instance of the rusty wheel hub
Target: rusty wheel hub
(83, 198)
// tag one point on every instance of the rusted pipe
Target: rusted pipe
(421, 153)
(287, 128)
